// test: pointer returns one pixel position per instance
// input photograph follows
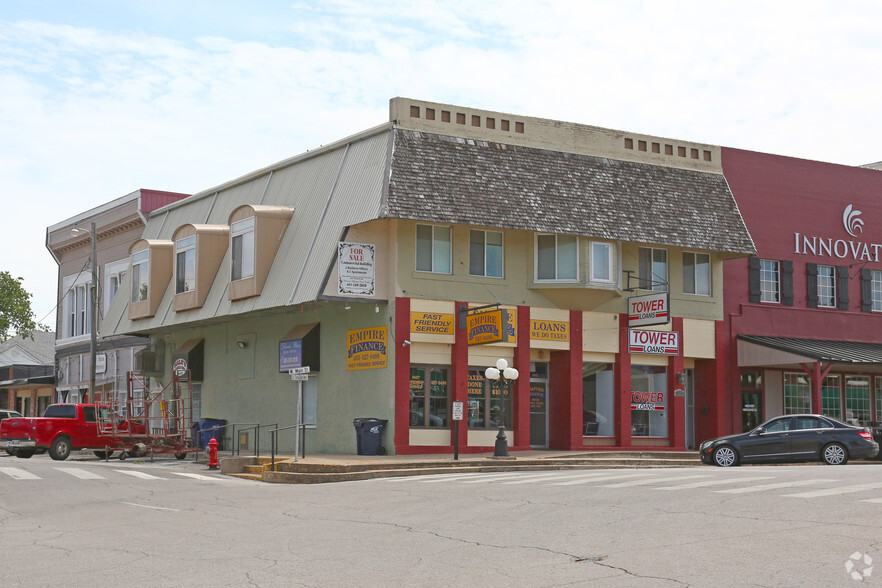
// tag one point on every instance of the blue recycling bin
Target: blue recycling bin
(206, 430)
(369, 435)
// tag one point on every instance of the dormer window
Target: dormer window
(185, 265)
(140, 275)
(242, 265)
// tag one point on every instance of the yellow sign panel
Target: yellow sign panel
(542, 330)
(512, 325)
(431, 323)
(487, 327)
(367, 349)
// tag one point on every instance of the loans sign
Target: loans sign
(654, 342)
(651, 309)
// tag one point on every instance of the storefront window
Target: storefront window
(831, 403)
(649, 401)
(597, 400)
(797, 394)
(857, 400)
(879, 398)
(489, 401)
(428, 396)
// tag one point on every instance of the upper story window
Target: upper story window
(185, 265)
(770, 281)
(876, 292)
(557, 257)
(433, 249)
(696, 273)
(601, 262)
(77, 309)
(114, 273)
(242, 235)
(140, 275)
(653, 269)
(485, 253)
(826, 286)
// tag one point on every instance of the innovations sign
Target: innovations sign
(853, 248)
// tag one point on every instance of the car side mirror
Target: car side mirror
(760, 431)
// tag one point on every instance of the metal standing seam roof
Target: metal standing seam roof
(450, 179)
(847, 352)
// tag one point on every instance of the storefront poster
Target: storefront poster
(356, 268)
(431, 323)
(367, 349)
(542, 330)
(487, 327)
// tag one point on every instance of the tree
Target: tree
(15, 308)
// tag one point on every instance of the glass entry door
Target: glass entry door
(751, 410)
(539, 405)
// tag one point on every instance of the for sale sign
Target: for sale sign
(654, 342)
(651, 309)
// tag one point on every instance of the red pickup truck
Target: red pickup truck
(61, 429)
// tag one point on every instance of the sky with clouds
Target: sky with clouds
(99, 98)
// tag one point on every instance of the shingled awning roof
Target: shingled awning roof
(447, 179)
(825, 351)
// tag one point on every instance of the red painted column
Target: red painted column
(676, 404)
(402, 375)
(817, 378)
(576, 407)
(623, 386)
(459, 376)
(521, 407)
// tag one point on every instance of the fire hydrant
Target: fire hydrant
(212, 454)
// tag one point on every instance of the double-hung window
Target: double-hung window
(770, 281)
(696, 273)
(653, 269)
(876, 290)
(185, 265)
(242, 234)
(601, 262)
(485, 253)
(826, 286)
(433, 250)
(557, 257)
(79, 309)
(140, 275)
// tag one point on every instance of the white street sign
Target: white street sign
(299, 370)
(299, 377)
(457, 410)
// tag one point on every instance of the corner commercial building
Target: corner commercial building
(365, 259)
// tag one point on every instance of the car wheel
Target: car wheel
(834, 454)
(60, 448)
(725, 456)
(23, 454)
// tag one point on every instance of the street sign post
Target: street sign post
(457, 416)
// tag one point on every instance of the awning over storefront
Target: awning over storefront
(771, 351)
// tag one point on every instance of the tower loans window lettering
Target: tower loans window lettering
(242, 237)
(185, 265)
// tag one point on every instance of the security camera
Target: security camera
(405, 343)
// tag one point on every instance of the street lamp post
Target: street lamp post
(508, 374)
(93, 322)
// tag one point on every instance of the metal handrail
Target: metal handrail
(274, 439)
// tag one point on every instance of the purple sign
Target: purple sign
(290, 355)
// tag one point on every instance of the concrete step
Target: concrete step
(244, 476)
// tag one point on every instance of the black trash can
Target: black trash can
(210, 429)
(369, 435)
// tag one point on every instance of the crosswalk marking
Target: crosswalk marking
(497, 477)
(559, 476)
(835, 491)
(775, 486)
(19, 474)
(468, 476)
(653, 481)
(197, 476)
(139, 474)
(600, 479)
(707, 483)
(81, 474)
(875, 500)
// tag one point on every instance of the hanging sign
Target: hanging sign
(431, 323)
(650, 309)
(355, 268)
(654, 342)
(542, 330)
(366, 349)
(487, 327)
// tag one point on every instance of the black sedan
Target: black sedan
(796, 437)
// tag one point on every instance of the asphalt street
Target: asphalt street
(171, 523)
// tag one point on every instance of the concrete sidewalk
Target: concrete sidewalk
(321, 468)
